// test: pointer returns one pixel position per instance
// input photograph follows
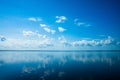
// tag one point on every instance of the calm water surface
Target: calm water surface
(59, 65)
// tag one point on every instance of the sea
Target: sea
(60, 65)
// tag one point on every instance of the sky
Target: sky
(59, 25)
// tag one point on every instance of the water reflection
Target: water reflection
(59, 65)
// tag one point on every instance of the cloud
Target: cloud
(61, 29)
(84, 43)
(45, 45)
(2, 38)
(35, 41)
(102, 42)
(78, 23)
(49, 30)
(60, 19)
(27, 43)
(46, 42)
(67, 44)
(53, 31)
(62, 39)
(109, 41)
(39, 41)
(64, 42)
(34, 34)
(28, 33)
(43, 25)
(34, 19)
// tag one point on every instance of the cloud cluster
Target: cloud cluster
(45, 27)
(49, 30)
(29, 33)
(35, 40)
(34, 19)
(102, 42)
(45, 42)
(27, 44)
(60, 19)
(92, 42)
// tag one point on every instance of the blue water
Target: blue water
(59, 65)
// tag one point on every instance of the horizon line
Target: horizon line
(64, 50)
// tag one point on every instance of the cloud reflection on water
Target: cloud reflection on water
(58, 64)
(61, 57)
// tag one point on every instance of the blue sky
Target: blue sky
(60, 25)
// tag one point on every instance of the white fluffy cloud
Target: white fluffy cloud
(101, 42)
(60, 19)
(28, 33)
(53, 31)
(49, 30)
(45, 27)
(34, 19)
(109, 41)
(84, 43)
(61, 29)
